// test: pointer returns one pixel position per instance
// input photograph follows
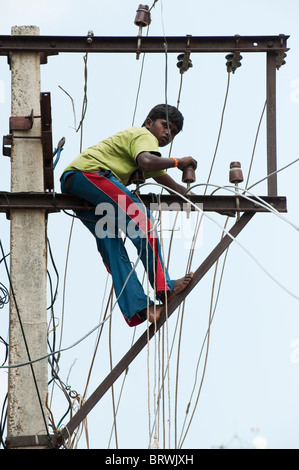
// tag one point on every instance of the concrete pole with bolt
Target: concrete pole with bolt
(27, 386)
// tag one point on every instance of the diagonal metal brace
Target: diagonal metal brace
(62, 436)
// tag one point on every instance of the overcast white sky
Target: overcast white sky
(251, 383)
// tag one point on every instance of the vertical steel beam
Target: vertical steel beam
(271, 123)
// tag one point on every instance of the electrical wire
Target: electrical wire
(268, 207)
(259, 201)
(255, 143)
(166, 89)
(208, 179)
(3, 420)
(273, 173)
(59, 351)
(141, 72)
(4, 295)
(216, 301)
(220, 128)
(196, 208)
(196, 231)
(6, 349)
(25, 344)
(233, 238)
(80, 127)
(206, 339)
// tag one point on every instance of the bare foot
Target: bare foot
(152, 313)
(180, 285)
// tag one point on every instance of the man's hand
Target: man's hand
(185, 162)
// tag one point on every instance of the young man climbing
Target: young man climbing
(100, 175)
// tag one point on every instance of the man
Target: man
(100, 175)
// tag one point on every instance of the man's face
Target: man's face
(159, 129)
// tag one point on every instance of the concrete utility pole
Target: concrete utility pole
(28, 305)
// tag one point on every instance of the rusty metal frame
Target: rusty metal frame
(47, 144)
(271, 123)
(55, 202)
(275, 48)
(128, 44)
(25, 123)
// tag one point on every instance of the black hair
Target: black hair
(170, 113)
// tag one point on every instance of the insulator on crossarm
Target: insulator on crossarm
(143, 16)
(89, 38)
(184, 62)
(188, 177)
(233, 61)
(235, 173)
(142, 19)
(280, 59)
(236, 177)
(137, 178)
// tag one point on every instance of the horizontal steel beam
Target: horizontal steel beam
(55, 202)
(118, 44)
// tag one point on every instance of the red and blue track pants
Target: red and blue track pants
(117, 209)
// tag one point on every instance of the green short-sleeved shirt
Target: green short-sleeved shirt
(118, 153)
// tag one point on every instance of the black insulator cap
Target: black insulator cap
(233, 61)
(184, 63)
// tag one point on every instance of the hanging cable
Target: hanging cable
(220, 129)
(233, 62)
(221, 277)
(255, 143)
(112, 386)
(142, 19)
(3, 420)
(233, 238)
(25, 344)
(4, 295)
(206, 339)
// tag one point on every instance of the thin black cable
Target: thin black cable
(53, 298)
(3, 421)
(153, 5)
(25, 342)
(52, 347)
(220, 129)
(4, 295)
(53, 360)
(6, 349)
(84, 104)
(7, 253)
(166, 87)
